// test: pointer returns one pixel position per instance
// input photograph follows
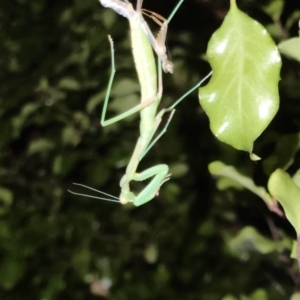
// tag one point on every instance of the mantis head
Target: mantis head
(126, 197)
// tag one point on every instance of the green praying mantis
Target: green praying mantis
(150, 79)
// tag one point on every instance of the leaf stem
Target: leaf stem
(233, 4)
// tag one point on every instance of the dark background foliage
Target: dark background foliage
(54, 69)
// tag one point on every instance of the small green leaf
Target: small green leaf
(125, 96)
(286, 191)
(124, 87)
(70, 136)
(249, 240)
(224, 183)
(259, 294)
(283, 155)
(81, 260)
(229, 297)
(296, 178)
(55, 284)
(292, 19)
(12, 270)
(5, 231)
(94, 101)
(283, 188)
(291, 48)
(40, 145)
(82, 120)
(69, 83)
(6, 199)
(28, 109)
(178, 169)
(19, 121)
(108, 17)
(219, 169)
(63, 163)
(294, 250)
(274, 9)
(242, 96)
(121, 104)
(151, 253)
(296, 296)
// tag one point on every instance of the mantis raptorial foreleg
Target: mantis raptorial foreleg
(159, 43)
(142, 41)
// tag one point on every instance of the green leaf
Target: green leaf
(296, 178)
(69, 83)
(5, 231)
(178, 169)
(283, 188)
(6, 200)
(295, 296)
(283, 155)
(70, 136)
(259, 294)
(219, 169)
(81, 260)
(12, 270)
(124, 96)
(224, 183)
(249, 240)
(242, 96)
(292, 19)
(40, 145)
(151, 253)
(274, 9)
(124, 87)
(291, 48)
(294, 250)
(63, 163)
(19, 121)
(286, 191)
(82, 120)
(229, 297)
(94, 101)
(54, 286)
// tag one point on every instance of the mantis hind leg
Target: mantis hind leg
(163, 131)
(174, 11)
(171, 108)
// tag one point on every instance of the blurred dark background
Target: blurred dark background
(54, 70)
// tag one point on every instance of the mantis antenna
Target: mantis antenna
(111, 199)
